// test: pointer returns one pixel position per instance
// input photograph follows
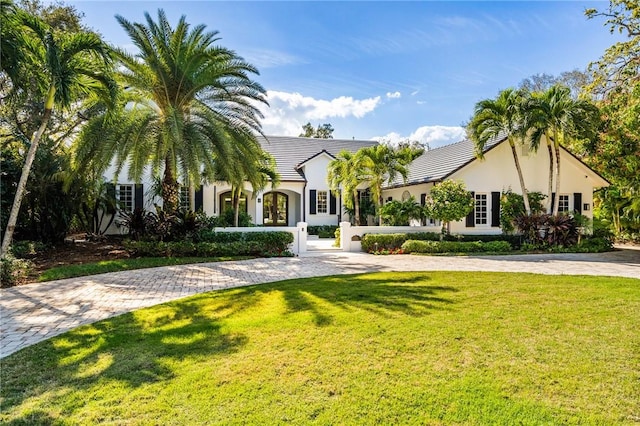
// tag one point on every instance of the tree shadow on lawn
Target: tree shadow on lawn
(128, 351)
(137, 348)
(383, 295)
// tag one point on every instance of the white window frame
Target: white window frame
(125, 194)
(481, 209)
(429, 221)
(185, 198)
(564, 203)
(322, 202)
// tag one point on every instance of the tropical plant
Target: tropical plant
(448, 201)
(512, 206)
(501, 118)
(188, 103)
(71, 66)
(559, 118)
(382, 164)
(345, 172)
(400, 213)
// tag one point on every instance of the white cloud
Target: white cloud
(394, 95)
(289, 111)
(433, 136)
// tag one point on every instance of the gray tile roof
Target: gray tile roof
(438, 163)
(289, 152)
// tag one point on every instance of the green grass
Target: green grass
(71, 271)
(385, 348)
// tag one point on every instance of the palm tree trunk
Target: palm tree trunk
(380, 204)
(550, 190)
(170, 187)
(557, 198)
(525, 195)
(26, 170)
(356, 206)
(236, 205)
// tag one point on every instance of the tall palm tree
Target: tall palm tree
(501, 117)
(188, 100)
(557, 116)
(70, 67)
(381, 165)
(345, 172)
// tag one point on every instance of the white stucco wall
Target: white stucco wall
(315, 171)
(497, 172)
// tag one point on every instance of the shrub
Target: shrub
(234, 243)
(374, 242)
(13, 270)
(395, 241)
(26, 249)
(323, 231)
(416, 246)
(595, 245)
(211, 236)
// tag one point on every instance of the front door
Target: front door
(276, 209)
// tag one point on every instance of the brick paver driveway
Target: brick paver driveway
(34, 312)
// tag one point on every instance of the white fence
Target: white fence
(350, 236)
(299, 244)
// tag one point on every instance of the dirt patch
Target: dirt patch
(76, 253)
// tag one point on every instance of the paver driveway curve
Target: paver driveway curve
(35, 312)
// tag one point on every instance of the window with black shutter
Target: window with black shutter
(312, 201)
(470, 221)
(495, 209)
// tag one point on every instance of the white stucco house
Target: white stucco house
(304, 195)
(487, 178)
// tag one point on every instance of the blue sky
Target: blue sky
(392, 70)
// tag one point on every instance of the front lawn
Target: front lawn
(387, 348)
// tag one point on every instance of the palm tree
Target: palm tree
(188, 101)
(71, 66)
(345, 171)
(381, 165)
(557, 116)
(501, 117)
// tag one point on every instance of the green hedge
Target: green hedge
(415, 246)
(218, 244)
(395, 241)
(323, 231)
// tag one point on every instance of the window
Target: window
(184, 198)
(481, 209)
(429, 221)
(321, 202)
(124, 195)
(563, 203)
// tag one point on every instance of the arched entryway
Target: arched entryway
(226, 202)
(275, 209)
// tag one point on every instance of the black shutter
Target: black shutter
(199, 199)
(139, 196)
(332, 203)
(553, 201)
(423, 199)
(577, 202)
(312, 201)
(495, 209)
(471, 217)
